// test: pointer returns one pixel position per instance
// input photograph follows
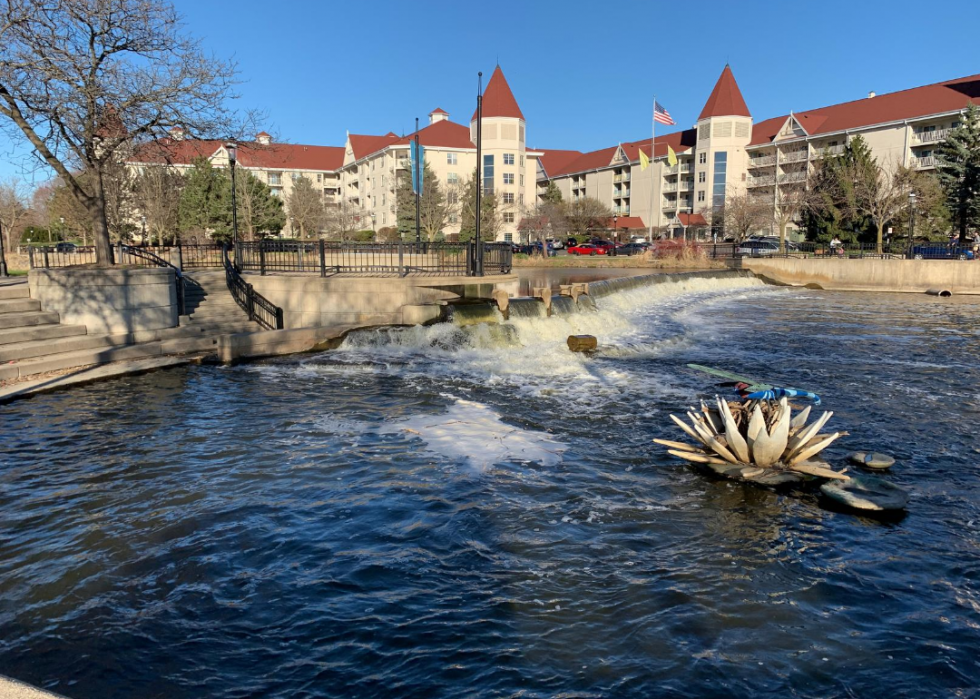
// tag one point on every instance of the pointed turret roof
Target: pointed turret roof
(726, 99)
(498, 100)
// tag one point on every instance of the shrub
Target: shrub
(364, 236)
(677, 249)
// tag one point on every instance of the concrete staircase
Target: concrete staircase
(34, 342)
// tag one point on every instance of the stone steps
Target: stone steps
(27, 319)
(19, 305)
(38, 348)
(14, 291)
(33, 333)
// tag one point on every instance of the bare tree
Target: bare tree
(14, 210)
(741, 215)
(343, 220)
(881, 194)
(790, 203)
(582, 215)
(305, 207)
(82, 80)
(157, 193)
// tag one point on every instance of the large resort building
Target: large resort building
(725, 153)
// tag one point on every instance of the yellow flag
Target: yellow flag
(644, 160)
(671, 157)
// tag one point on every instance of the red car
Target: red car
(589, 249)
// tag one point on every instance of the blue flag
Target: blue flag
(418, 167)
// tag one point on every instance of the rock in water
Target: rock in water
(866, 493)
(872, 459)
(582, 343)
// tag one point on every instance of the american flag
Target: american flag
(661, 115)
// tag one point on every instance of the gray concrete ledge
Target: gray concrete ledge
(13, 689)
(910, 276)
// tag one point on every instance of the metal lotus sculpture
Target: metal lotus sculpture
(760, 441)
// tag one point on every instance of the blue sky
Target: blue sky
(583, 72)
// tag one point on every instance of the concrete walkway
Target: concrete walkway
(12, 689)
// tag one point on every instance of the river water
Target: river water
(474, 511)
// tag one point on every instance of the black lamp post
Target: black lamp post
(232, 150)
(912, 198)
(3, 255)
(143, 223)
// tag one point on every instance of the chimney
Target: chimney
(871, 94)
(262, 138)
(177, 133)
(438, 115)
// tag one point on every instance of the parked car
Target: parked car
(941, 252)
(632, 249)
(556, 244)
(757, 248)
(571, 242)
(587, 249)
(65, 247)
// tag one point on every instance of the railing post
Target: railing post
(401, 258)
(30, 257)
(180, 257)
(262, 258)
(46, 261)
(280, 324)
(250, 301)
(323, 258)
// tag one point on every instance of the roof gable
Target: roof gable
(498, 100)
(363, 145)
(725, 99)
(445, 134)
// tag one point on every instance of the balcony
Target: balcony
(621, 193)
(789, 177)
(687, 167)
(670, 187)
(626, 178)
(670, 169)
(794, 156)
(930, 136)
(764, 161)
(764, 181)
(923, 163)
(829, 151)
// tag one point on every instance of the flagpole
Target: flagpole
(653, 154)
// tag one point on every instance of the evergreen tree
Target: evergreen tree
(833, 209)
(433, 212)
(959, 171)
(260, 213)
(552, 195)
(305, 207)
(205, 202)
(489, 216)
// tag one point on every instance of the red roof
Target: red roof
(593, 160)
(443, 133)
(279, 155)
(554, 161)
(498, 100)
(726, 99)
(691, 219)
(626, 222)
(438, 110)
(680, 141)
(948, 96)
(365, 145)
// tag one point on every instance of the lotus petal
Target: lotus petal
(818, 468)
(735, 440)
(800, 419)
(713, 418)
(715, 445)
(697, 458)
(677, 445)
(690, 432)
(697, 420)
(811, 450)
(779, 434)
(766, 450)
(757, 424)
(800, 439)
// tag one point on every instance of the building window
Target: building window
(384, 198)
(721, 174)
(702, 176)
(522, 161)
(702, 158)
(275, 191)
(508, 178)
(319, 177)
(450, 158)
(508, 217)
(452, 197)
(488, 174)
(508, 237)
(700, 195)
(275, 178)
(384, 218)
(522, 180)
(508, 158)
(521, 199)
(508, 198)
(453, 218)
(452, 178)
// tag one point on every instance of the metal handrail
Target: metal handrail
(160, 262)
(258, 307)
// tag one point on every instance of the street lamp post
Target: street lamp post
(232, 150)
(912, 199)
(61, 229)
(143, 223)
(3, 255)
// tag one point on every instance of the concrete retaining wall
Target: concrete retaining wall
(314, 302)
(108, 301)
(959, 276)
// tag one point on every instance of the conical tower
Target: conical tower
(504, 170)
(724, 130)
